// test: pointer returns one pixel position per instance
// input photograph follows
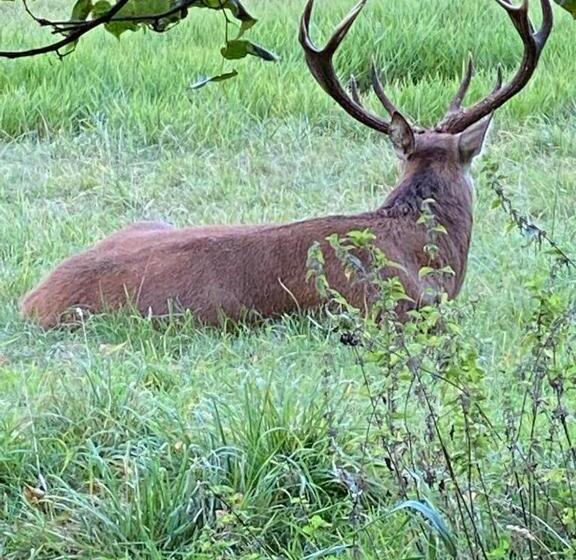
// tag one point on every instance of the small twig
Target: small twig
(528, 228)
(38, 20)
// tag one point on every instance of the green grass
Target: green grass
(142, 435)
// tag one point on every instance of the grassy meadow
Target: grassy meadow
(125, 439)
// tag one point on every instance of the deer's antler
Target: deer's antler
(320, 63)
(458, 119)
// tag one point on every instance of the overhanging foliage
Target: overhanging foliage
(156, 15)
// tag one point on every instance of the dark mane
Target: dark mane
(407, 197)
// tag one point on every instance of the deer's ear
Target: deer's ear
(401, 135)
(470, 141)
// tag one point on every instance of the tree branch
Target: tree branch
(71, 38)
(64, 26)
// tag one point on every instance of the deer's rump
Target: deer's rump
(161, 269)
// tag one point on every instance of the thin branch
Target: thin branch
(38, 20)
(65, 26)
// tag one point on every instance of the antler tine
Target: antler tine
(342, 29)
(379, 91)
(353, 84)
(498, 79)
(541, 36)
(320, 64)
(534, 43)
(518, 15)
(456, 103)
(521, 12)
(338, 35)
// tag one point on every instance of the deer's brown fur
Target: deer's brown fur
(217, 271)
(156, 266)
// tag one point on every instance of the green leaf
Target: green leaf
(261, 52)
(447, 270)
(435, 520)
(145, 8)
(317, 522)
(235, 49)
(240, 13)
(245, 25)
(140, 8)
(568, 5)
(239, 48)
(425, 271)
(100, 8)
(220, 78)
(361, 238)
(81, 10)
(116, 28)
(234, 6)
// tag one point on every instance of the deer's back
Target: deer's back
(214, 270)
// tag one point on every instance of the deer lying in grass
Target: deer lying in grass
(226, 270)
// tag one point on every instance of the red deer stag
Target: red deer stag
(217, 271)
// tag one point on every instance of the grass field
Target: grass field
(124, 440)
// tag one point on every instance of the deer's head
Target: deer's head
(450, 146)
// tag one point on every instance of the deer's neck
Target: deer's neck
(452, 208)
(452, 195)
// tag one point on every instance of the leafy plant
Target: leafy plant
(156, 15)
(502, 479)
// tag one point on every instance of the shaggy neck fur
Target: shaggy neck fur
(452, 193)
